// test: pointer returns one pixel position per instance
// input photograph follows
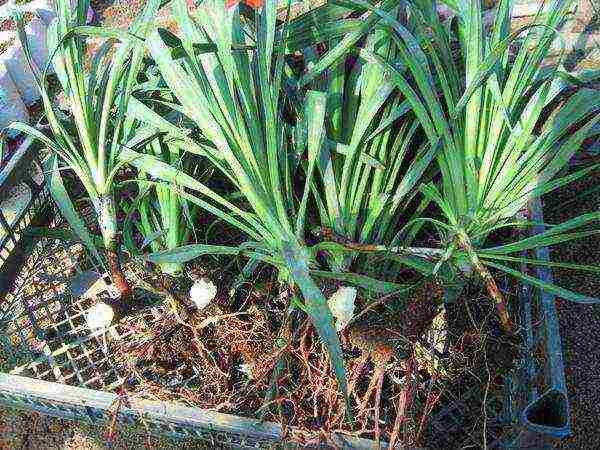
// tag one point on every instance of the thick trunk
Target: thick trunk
(116, 274)
(107, 220)
(489, 281)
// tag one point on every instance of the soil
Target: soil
(5, 45)
(31, 431)
(100, 5)
(120, 13)
(579, 324)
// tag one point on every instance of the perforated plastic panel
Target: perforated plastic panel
(58, 367)
(22, 197)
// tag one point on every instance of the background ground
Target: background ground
(26, 431)
(580, 324)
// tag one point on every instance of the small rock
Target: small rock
(99, 316)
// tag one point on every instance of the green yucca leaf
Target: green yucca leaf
(185, 253)
(360, 196)
(540, 262)
(316, 307)
(315, 111)
(348, 41)
(552, 235)
(548, 287)
(482, 110)
(365, 282)
(176, 180)
(164, 213)
(65, 205)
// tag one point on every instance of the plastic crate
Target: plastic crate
(54, 365)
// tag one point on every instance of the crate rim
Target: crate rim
(92, 401)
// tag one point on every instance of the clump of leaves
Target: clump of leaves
(370, 166)
(483, 109)
(229, 82)
(89, 141)
(166, 220)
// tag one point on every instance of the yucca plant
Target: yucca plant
(228, 82)
(371, 165)
(481, 103)
(89, 140)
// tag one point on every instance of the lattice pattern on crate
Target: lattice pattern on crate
(53, 322)
(18, 211)
(452, 426)
(30, 314)
(482, 405)
(174, 423)
(44, 331)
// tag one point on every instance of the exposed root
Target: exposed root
(250, 362)
(405, 406)
(489, 282)
(116, 274)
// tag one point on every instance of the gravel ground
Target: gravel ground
(580, 324)
(27, 431)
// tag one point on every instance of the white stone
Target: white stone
(341, 304)
(6, 9)
(99, 316)
(202, 292)
(246, 369)
(6, 37)
(16, 62)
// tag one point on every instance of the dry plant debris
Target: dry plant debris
(249, 362)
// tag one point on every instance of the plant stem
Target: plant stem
(465, 243)
(104, 206)
(116, 274)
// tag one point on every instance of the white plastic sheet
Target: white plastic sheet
(11, 106)
(36, 36)
(16, 64)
